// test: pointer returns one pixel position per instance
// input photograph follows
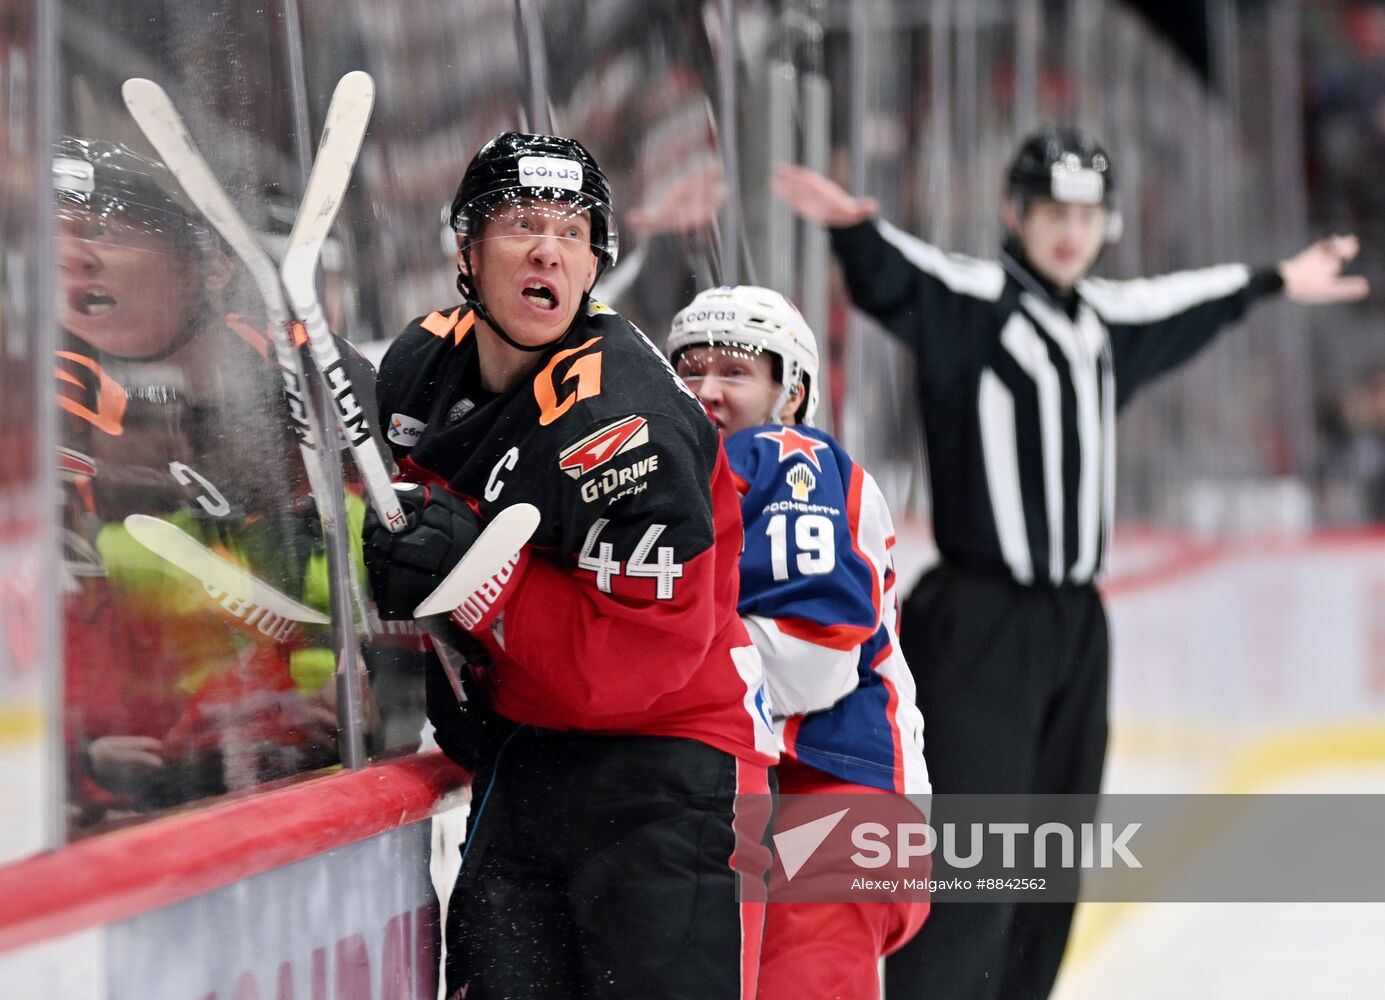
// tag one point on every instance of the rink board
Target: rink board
(318, 892)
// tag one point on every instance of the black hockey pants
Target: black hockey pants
(600, 866)
(1012, 682)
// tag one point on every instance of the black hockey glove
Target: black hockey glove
(407, 566)
(466, 727)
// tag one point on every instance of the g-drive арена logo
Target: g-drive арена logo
(887, 847)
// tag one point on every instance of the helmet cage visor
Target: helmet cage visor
(525, 212)
(737, 364)
(121, 214)
(738, 370)
(727, 328)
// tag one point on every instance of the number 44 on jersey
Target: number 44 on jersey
(596, 557)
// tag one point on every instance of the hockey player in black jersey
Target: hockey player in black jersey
(614, 701)
(1022, 366)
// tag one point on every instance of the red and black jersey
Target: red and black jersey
(624, 619)
(206, 427)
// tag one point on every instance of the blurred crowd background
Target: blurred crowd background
(1238, 133)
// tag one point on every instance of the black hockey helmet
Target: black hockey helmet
(517, 165)
(111, 183)
(1063, 164)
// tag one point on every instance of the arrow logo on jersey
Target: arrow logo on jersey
(75, 464)
(792, 443)
(598, 448)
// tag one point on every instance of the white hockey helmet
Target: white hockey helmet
(759, 319)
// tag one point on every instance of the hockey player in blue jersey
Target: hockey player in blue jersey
(818, 598)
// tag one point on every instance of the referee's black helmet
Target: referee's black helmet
(1063, 164)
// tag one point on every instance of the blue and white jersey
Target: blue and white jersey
(818, 598)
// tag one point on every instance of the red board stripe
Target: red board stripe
(119, 875)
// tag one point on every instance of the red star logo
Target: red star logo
(793, 443)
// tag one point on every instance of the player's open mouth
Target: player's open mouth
(540, 295)
(91, 301)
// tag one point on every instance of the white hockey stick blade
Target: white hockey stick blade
(156, 116)
(163, 126)
(342, 134)
(507, 533)
(176, 546)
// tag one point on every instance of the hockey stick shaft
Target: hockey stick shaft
(344, 130)
(156, 116)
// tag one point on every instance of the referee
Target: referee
(1022, 364)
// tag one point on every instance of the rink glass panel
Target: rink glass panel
(176, 689)
(916, 103)
(633, 80)
(177, 692)
(30, 768)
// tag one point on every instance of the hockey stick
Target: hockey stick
(498, 544)
(346, 117)
(342, 135)
(174, 545)
(163, 126)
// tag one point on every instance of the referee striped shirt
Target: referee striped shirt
(1020, 387)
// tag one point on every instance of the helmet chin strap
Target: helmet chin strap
(173, 347)
(485, 316)
(786, 393)
(190, 330)
(473, 295)
(779, 403)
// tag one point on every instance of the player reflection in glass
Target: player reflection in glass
(109, 266)
(171, 409)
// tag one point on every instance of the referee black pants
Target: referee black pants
(1012, 682)
(607, 867)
